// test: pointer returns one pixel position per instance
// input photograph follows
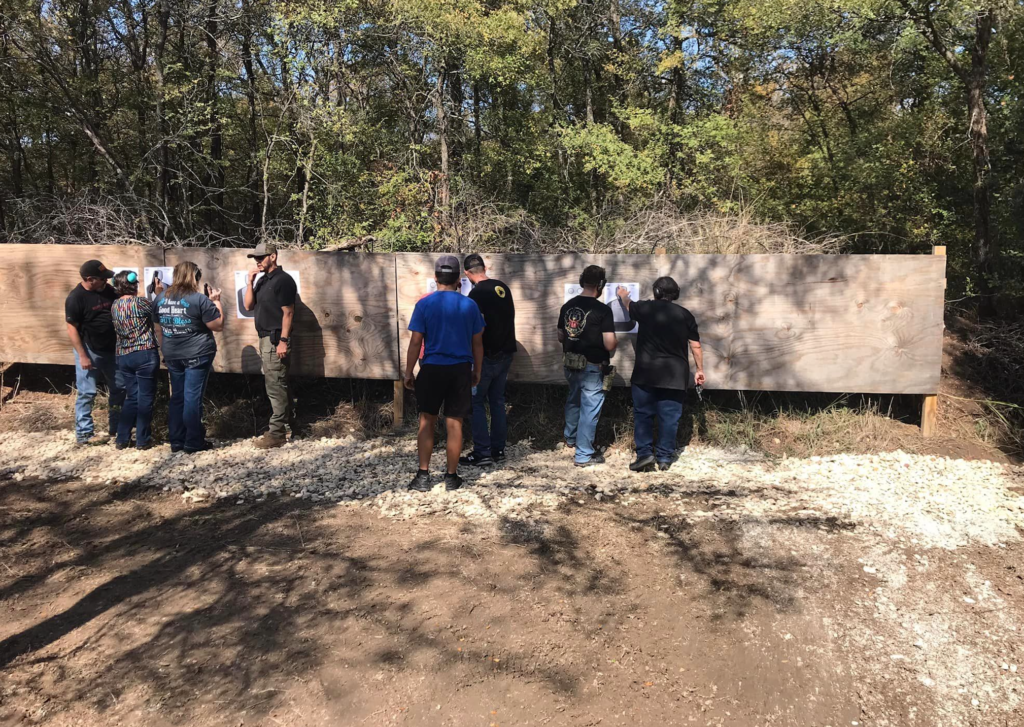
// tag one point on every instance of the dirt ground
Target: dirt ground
(132, 607)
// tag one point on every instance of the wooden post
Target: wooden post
(930, 402)
(399, 405)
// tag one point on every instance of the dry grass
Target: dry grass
(493, 228)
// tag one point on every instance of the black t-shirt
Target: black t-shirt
(584, 320)
(662, 344)
(89, 312)
(495, 302)
(273, 291)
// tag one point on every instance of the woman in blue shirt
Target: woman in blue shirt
(188, 320)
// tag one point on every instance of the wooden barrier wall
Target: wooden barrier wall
(843, 323)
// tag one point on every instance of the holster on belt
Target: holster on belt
(574, 361)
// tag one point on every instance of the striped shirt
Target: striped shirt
(133, 322)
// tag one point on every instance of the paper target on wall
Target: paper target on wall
(619, 313)
(571, 291)
(464, 286)
(155, 278)
(241, 277)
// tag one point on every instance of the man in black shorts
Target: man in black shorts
(449, 328)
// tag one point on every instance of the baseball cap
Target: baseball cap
(447, 264)
(264, 248)
(95, 269)
(473, 261)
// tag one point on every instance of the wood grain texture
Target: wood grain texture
(842, 323)
(34, 282)
(344, 317)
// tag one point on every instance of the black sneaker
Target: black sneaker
(207, 444)
(452, 482)
(664, 466)
(122, 445)
(421, 482)
(643, 464)
(596, 459)
(499, 456)
(476, 460)
(146, 445)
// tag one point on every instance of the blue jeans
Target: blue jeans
(583, 409)
(491, 390)
(103, 367)
(185, 409)
(665, 405)
(138, 369)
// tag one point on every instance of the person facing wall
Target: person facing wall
(586, 328)
(188, 319)
(450, 328)
(272, 299)
(661, 372)
(137, 360)
(494, 298)
(91, 330)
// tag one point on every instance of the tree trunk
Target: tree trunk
(984, 226)
(164, 156)
(443, 190)
(477, 131)
(255, 210)
(216, 178)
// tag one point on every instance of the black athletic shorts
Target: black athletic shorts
(451, 385)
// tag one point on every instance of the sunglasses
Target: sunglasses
(260, 258)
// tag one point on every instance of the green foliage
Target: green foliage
(317, 121)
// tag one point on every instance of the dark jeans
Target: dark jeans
(138, 370)
(491, 390)
(185, 409)
(665, 405)
(103, 367)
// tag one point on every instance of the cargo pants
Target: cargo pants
(275, 374)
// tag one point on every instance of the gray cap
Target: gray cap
(264, 248)
(447, 264)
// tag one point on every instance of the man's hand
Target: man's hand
(623, 292)
(410, 382)
(252, 275)
(476, 377)
(85, 362)
(214, 294)
(698, 378)
(282, 350)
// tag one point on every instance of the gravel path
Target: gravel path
(931, 501)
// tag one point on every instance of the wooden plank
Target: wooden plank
(35, 280)
(930, 402)
(398, 406)
(843, 323)
(538, 287)
(344, 318)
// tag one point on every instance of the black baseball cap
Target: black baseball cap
(95, 269)
(447, 264)
(473, 261)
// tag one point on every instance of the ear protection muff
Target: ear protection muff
(132, 278)
(658, 292)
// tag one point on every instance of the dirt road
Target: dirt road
(127, 605)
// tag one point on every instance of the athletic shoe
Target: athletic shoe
(207, 444)
(664, 466)
(476, 460)
(643, 464)
(452, 482)
(147, 445)
(421, 482)
(123, 445)
(596, 459)
(92, 440)
(499, 456)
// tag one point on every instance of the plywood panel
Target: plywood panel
(344, 318)
(538, 284)
(35, 280)
(852, 323)
(857, 323)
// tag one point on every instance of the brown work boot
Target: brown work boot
(268, 441)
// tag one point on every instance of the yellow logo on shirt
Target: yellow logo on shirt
(499, 291)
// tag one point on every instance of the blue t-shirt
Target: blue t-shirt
(448, 322)
(183, 325)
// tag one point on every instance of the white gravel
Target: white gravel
(931, 501)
